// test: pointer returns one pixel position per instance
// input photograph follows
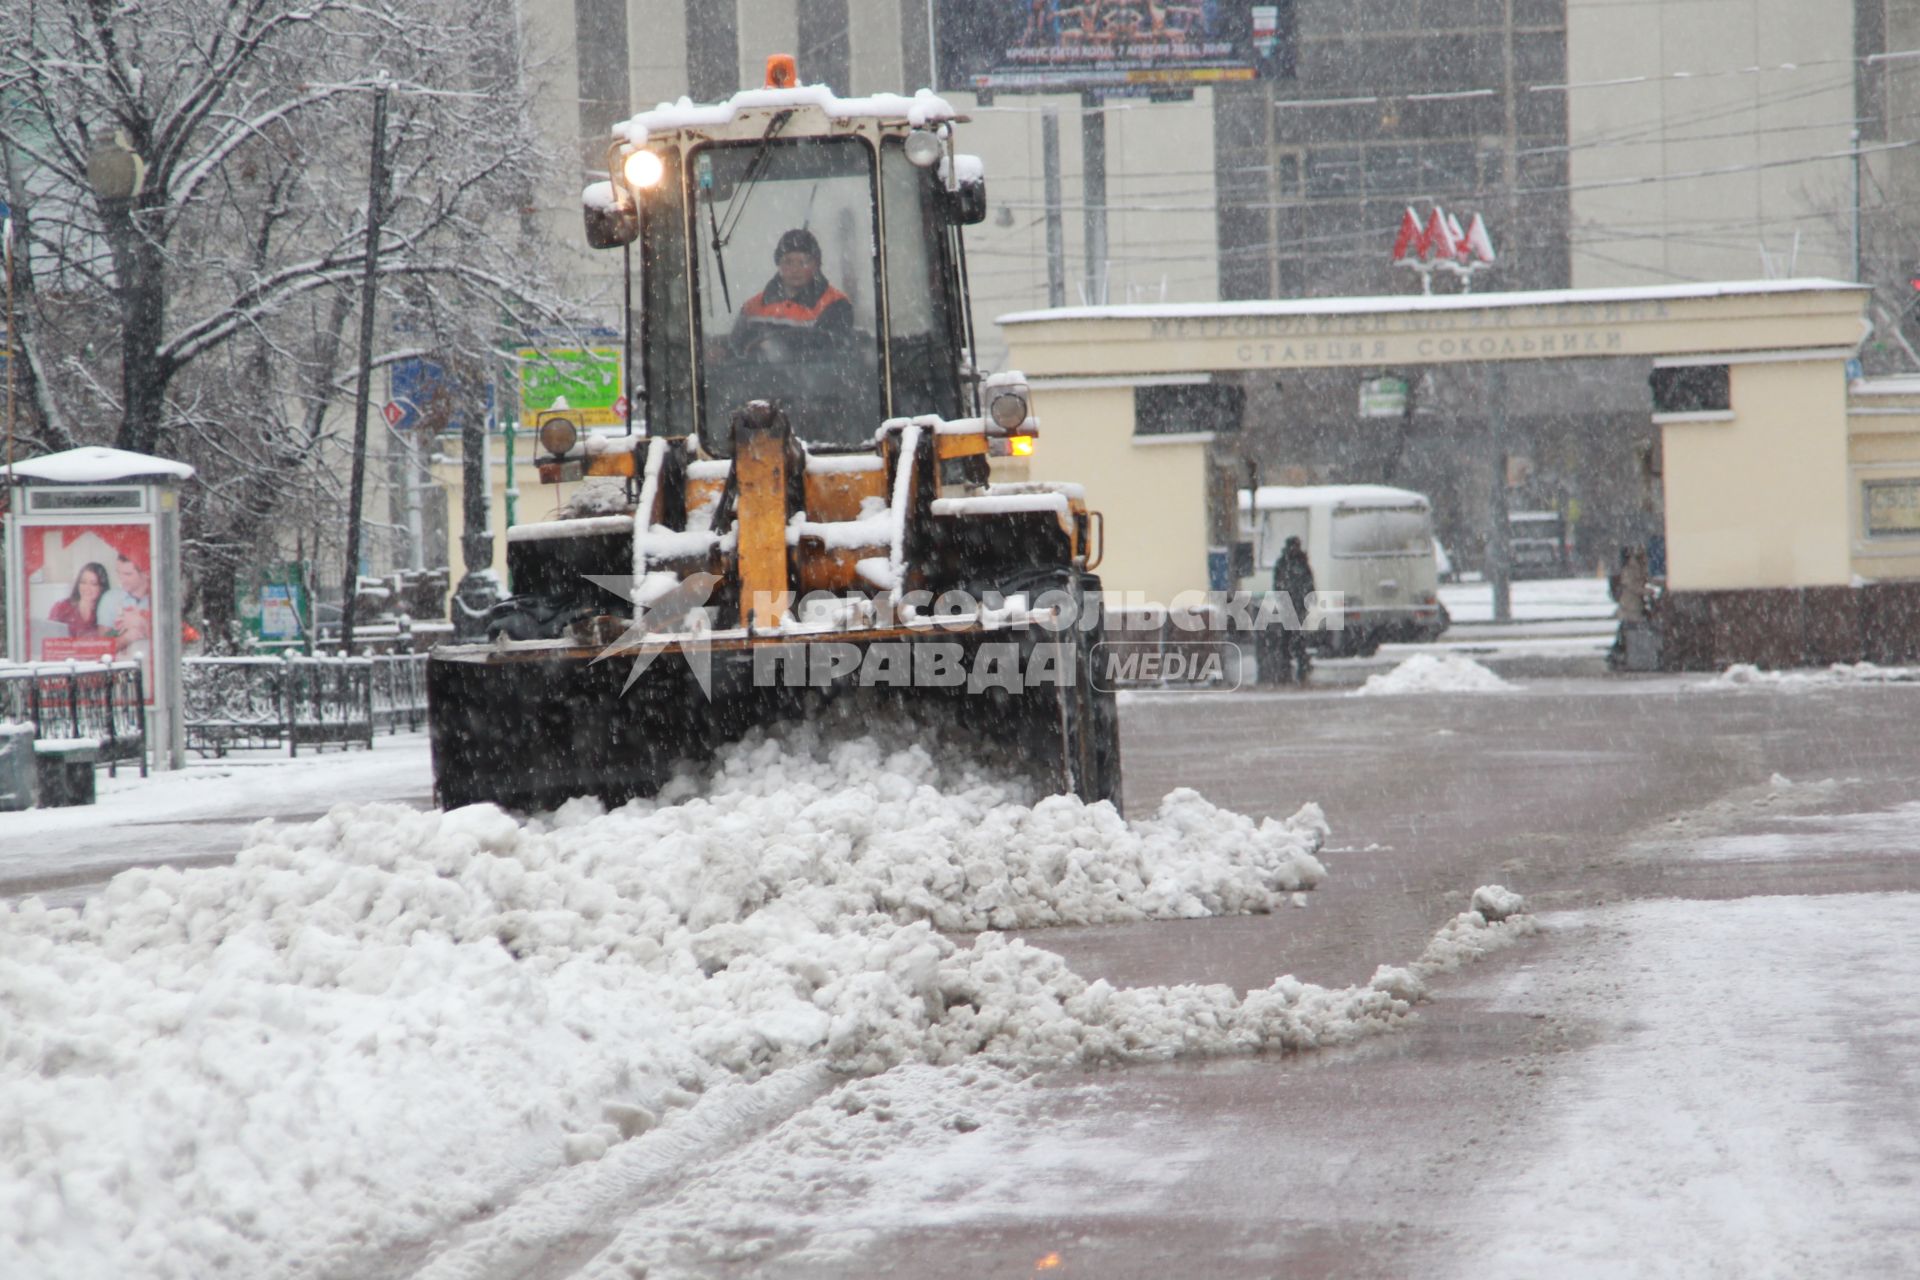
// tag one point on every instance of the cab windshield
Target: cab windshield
(786, 277)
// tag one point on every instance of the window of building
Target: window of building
(1891, 508)
(1186, 409)
(1694, 388)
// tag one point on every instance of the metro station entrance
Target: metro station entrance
(1712, 424)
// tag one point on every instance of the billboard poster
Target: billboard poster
(279, 612)
(1118, 46)
(89, 592)
(587, 378)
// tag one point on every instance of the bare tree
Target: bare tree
(191, 176)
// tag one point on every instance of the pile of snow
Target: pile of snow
(382, 1023)
(1744, 675)
(891, 1152)
(1426, 673)
(596, 496)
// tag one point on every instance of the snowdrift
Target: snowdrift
(378, 1024)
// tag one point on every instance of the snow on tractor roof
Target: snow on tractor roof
(923, 108)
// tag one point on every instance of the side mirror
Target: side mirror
(968, 206)
(609, 223)
(964, 190)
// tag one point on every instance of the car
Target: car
(1537, 544)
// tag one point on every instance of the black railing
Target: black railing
(400, 691)
(234, 704)
(329, 702)
(104, 702)
(252, 703)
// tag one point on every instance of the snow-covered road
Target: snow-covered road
(758, 1034)
(198, 815)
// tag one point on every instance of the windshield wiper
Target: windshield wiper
(723, 230)
(719, 262)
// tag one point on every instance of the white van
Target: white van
(1370, 542)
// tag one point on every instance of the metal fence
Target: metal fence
(234, 703)
(400, 691)
(329, 702)
(256, 702)
(101, 701)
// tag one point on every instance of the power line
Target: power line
(1651, 134)
(1616, 82)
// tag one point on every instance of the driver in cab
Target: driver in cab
(797, 300)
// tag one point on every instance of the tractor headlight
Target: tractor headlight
(923, 148)
(1009, 410)
(643, 170)
(1020, 446)
(558, 436)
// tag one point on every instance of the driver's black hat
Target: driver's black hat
(798, 240)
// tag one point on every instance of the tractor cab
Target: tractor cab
(796, 248)
(814, 476)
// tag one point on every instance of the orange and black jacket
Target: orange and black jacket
(818, 306)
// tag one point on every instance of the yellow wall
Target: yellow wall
(536, 501)
(1152, 497)
(1761, 500)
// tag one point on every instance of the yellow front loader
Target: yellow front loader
(804, 522)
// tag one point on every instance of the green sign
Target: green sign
(272, 605)
(1383, 398)
(588, 379)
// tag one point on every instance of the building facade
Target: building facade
(1606, 143)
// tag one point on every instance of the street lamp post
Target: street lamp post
(13, 341)
(118, 176)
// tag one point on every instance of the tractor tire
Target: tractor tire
(1075, 733)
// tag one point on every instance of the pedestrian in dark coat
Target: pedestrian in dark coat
(1293, 578)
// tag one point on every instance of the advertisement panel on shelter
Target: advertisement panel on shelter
(89, 592)
(1040, 46)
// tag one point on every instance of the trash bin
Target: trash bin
(1640, 647)
(64, 769)
(17, 789)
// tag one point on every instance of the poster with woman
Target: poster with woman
(89, 592)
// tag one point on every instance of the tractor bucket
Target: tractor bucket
(585, 722)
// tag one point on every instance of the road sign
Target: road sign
(393, 413)
(620, 408)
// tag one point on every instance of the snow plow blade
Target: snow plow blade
(529, 731)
